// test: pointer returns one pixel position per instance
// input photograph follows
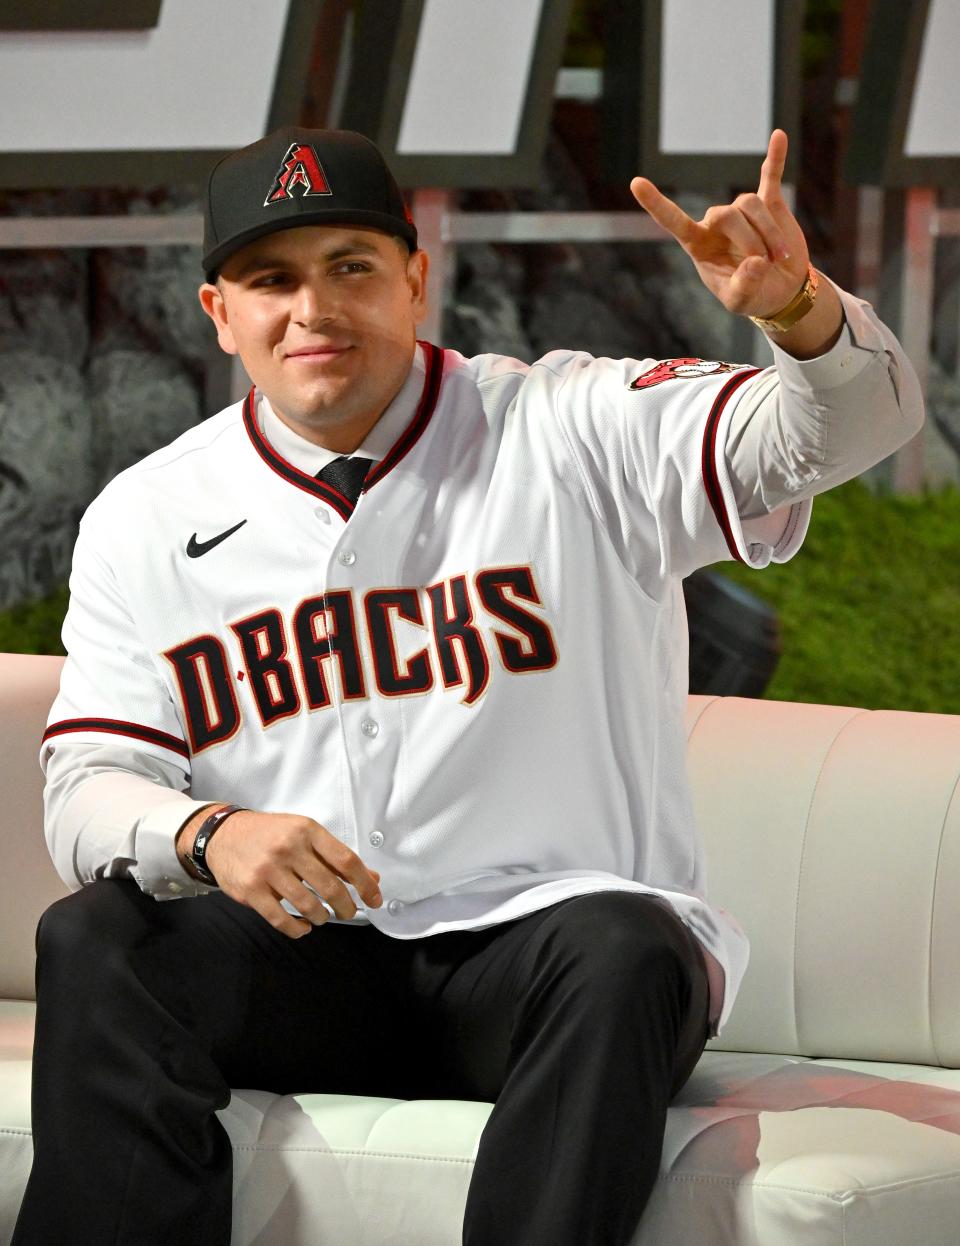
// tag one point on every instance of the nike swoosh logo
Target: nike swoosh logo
(196, 549)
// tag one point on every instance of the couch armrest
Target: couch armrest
(28, 881)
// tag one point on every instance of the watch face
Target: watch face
(202, 870)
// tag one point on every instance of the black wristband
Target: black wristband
(197, 856)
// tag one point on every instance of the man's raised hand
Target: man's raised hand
(750, 253)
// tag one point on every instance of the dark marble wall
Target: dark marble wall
(102, 360)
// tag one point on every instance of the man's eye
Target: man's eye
(270, 279)
(352, 266)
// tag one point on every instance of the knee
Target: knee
(621, 945)
(86, 926)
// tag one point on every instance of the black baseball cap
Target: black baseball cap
(296, 177)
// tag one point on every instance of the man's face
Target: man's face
(324, 320)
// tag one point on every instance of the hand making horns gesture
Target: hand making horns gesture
(750, 253)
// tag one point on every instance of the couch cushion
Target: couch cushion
(28, 881)
(768, 1150)
(759, 1150)
(833, 834)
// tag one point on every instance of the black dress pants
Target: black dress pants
(579, 1022)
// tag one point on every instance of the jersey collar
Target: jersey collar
(382, 443)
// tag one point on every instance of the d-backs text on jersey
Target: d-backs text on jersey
(326, 636)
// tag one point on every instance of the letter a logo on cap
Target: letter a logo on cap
(299, 170)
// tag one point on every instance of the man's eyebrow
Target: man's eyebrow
(257, 263)
(354, 247)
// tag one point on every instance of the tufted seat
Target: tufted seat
(826, 1114)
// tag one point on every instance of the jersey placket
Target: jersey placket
(358, 555)
(363, 558)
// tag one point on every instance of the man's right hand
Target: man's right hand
(260, 859)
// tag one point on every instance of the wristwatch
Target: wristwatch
(197, 855)
(795, 310)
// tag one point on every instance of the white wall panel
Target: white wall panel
(202, 79)
(934, 125)
(716, 85)
(469, 77)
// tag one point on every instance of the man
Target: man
(388, 663)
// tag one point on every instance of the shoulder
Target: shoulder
(575, 381)
(210, 444)
(214, 437)
(548, 374)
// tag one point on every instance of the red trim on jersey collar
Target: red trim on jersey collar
(116, 726)
(711, 475)
(415, 429)
(433, 356)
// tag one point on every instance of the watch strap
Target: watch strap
(197, 856)
(795, 310)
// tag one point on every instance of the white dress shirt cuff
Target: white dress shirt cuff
(158, 871)
(859, 341)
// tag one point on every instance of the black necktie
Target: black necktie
(346, 475)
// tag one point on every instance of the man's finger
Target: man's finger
(271, 910)
(664, 211)
(746, 283)
(771, 171)
(761, 218)
(739, 235)
(313, 904)
(336, 856)
(312, 876)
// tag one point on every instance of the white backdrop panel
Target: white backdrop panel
(469, 77)
(716, 83)
(203, 78)
(934, 125)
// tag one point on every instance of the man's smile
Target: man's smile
(319, 352)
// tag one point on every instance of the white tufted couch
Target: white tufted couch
(827, 1113)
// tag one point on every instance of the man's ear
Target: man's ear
(211, 300)
(418, 265)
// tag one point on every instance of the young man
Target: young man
(388, 664)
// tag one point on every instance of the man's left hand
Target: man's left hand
(752, 253)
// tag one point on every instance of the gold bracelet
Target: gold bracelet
(795, 310)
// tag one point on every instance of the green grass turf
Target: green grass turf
(869, 608)
(34, 626)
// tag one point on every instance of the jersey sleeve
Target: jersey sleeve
(110, 688)
(113, 811)
(649, 440)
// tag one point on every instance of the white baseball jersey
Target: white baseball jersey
(476, 676)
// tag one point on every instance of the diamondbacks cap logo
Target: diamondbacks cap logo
(300, 171)
(686, 369)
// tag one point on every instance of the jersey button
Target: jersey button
(395, 907)
(370, 727)
(376, 839)
(347, 557)
(322, 514)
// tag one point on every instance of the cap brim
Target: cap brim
(382, 221)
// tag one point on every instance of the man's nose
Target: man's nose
(312, 306)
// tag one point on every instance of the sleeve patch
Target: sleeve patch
(687, 369)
